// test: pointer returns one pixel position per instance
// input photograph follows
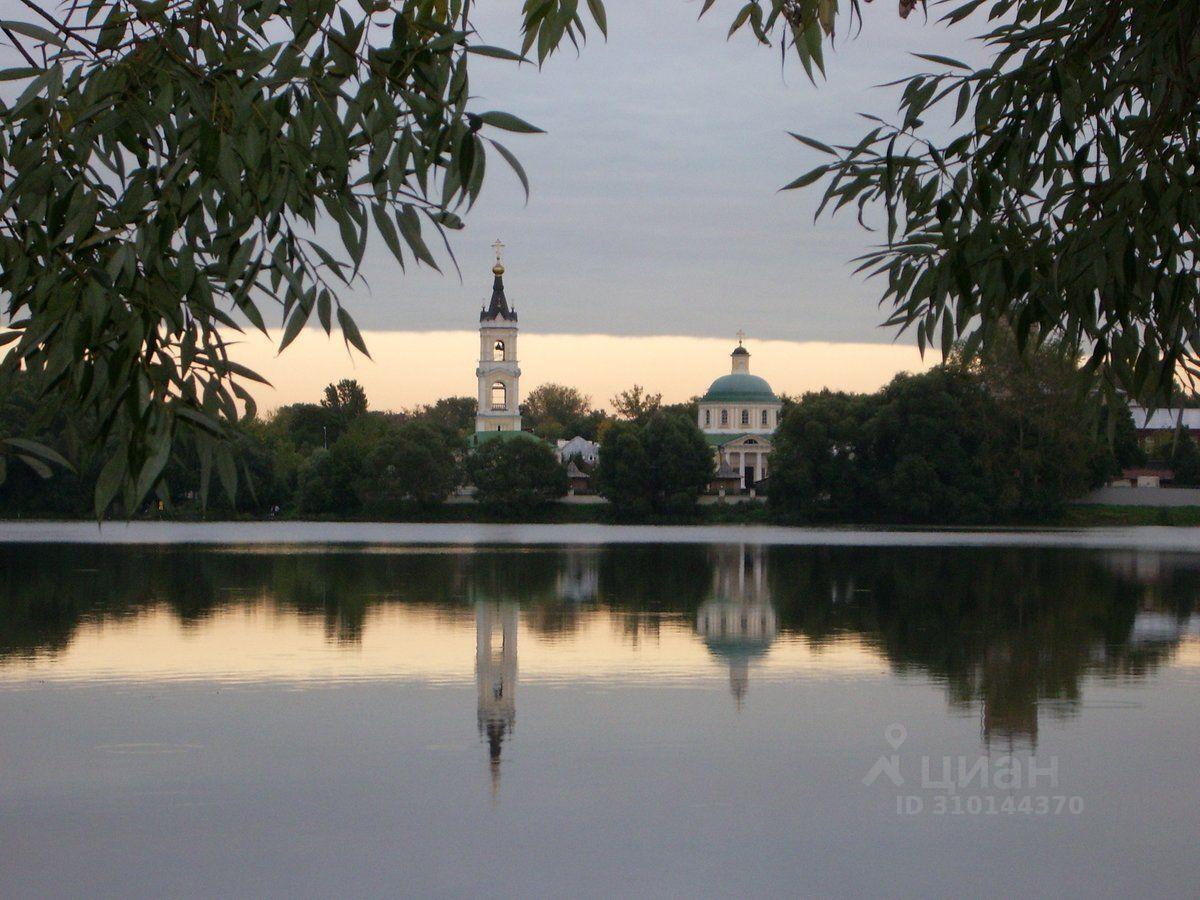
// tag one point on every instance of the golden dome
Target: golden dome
(498, 269)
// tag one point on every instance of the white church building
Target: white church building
(738, 415)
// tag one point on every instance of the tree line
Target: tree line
(1005, 437)
(335, 458)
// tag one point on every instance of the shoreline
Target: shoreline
(387, 534)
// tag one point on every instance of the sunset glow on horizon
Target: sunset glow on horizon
(242, 644)
(411, 368)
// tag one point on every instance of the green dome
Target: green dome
(740, 387)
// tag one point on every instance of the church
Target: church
(738, 414)
(498, 374)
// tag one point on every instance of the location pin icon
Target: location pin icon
(895, 734)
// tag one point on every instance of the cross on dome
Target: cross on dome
(498, 247)
(741, 336)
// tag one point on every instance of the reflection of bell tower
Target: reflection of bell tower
(738, 624)
(496, 676)
(578, 578)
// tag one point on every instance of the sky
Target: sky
(655, 206)
(654, 211)
(407, 369)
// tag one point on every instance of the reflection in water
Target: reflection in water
(227, 719)
(738, 623)
(1010, 633)
(496, 676)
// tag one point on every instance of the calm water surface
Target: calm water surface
(653, 719)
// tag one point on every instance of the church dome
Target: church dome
(736, 631)
(740, 387)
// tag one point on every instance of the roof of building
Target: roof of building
(578, 441)
(740, 351)
(725, 470)
(719, 440)
(740, 387)
(498, 309)
(1164, 419)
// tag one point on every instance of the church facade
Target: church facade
(738, 416)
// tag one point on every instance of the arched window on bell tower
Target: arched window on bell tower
(498, 351)
(499, 395)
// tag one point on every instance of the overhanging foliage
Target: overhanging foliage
(163, 169)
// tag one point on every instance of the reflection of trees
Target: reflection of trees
(1008, 629)
(654, 577)
(1012, 631)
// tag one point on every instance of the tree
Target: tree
(266, 472)
(41, 437)
(681, 462)
(689, 409)
(661, 467)
(410, 464)
(925, 448)
(1060, 206)
(346, 398)
(163, 167)
(636, 405)
(957, 444)
(1185, 460)
(516, 475)
(454, 416)
(815, 464)
(308, 425)
(623, 474)
(554, 411)
(324, 485)
(1116, 421)
(1047, 404)
(333, 481)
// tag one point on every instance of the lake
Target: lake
(330, 710)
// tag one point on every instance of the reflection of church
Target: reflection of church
(738, 624)
(496, 676)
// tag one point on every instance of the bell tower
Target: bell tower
(498, 373)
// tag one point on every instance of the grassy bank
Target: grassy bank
(1097, 516)
(714, 514)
